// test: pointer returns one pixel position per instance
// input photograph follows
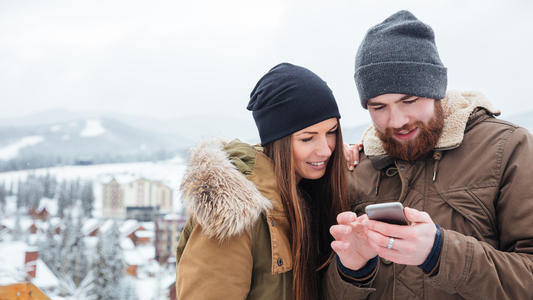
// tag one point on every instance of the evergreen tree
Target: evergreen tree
(63, 200)
(22, 197)
(48, 183)
(34, 191)
(18, 233)
(65, 243)
(49, 249)
(109, 266)
(127, 289)
(10, 191)
(76, 257)
(74, 263)
(3, 194)
(87, 199)
(80, 292)
(74, 190)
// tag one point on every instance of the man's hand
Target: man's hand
(412, 243)
(351, 243)
(351, 153)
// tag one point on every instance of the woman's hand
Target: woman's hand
(351, 240)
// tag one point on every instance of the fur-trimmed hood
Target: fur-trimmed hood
(458, 106)
(216, 192)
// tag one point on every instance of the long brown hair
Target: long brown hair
(312, 207)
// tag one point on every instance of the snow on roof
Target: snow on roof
(168, 280)
(33, 239)
(147, 252)
(25, 222)
(49, 204)
(133, 257)
(44, 277)
(146, 287)
(144, 234)
(56, 221)
(90, 225)
(126, 244)
(173, 217)
(106, 226)
(90, 241)
(129, 226)
(122, 179)
(12, 262)
(148, 225)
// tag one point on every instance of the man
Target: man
(463, 176)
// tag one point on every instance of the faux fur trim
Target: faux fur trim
(457, 109)
(217, 196)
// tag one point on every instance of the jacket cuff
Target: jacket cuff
(339, 289)
(430, 265)
(455, 260)
(360, 276)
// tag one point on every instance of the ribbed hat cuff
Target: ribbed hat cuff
(278, 121)
(409, 78)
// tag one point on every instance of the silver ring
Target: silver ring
(391, 241)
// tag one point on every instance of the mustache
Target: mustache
(407, 127)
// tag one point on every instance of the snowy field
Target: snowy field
(170, 172)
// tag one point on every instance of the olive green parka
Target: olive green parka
(235, 244)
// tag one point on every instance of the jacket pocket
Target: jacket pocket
(469, 215)
(488, 209)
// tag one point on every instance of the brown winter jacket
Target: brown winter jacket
(235, 244)
(478, 186)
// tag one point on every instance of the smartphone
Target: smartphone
(390, 212)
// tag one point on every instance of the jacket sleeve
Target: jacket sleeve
(468, 266)
(336, 288)
(213, 269)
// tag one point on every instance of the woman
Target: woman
(259, 216)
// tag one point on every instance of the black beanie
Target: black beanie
(399, 56)
(289, 98)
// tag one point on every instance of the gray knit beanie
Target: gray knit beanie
(399, 56)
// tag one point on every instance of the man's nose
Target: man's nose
(398, 119)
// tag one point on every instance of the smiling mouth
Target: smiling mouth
(406, 134)
(319, 165)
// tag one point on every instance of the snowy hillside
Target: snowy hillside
(83, 141)
(12, 150)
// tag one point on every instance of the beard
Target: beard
(422, 144)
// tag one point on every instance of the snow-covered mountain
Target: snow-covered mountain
(83, 140)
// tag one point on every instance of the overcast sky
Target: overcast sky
(172, 59)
